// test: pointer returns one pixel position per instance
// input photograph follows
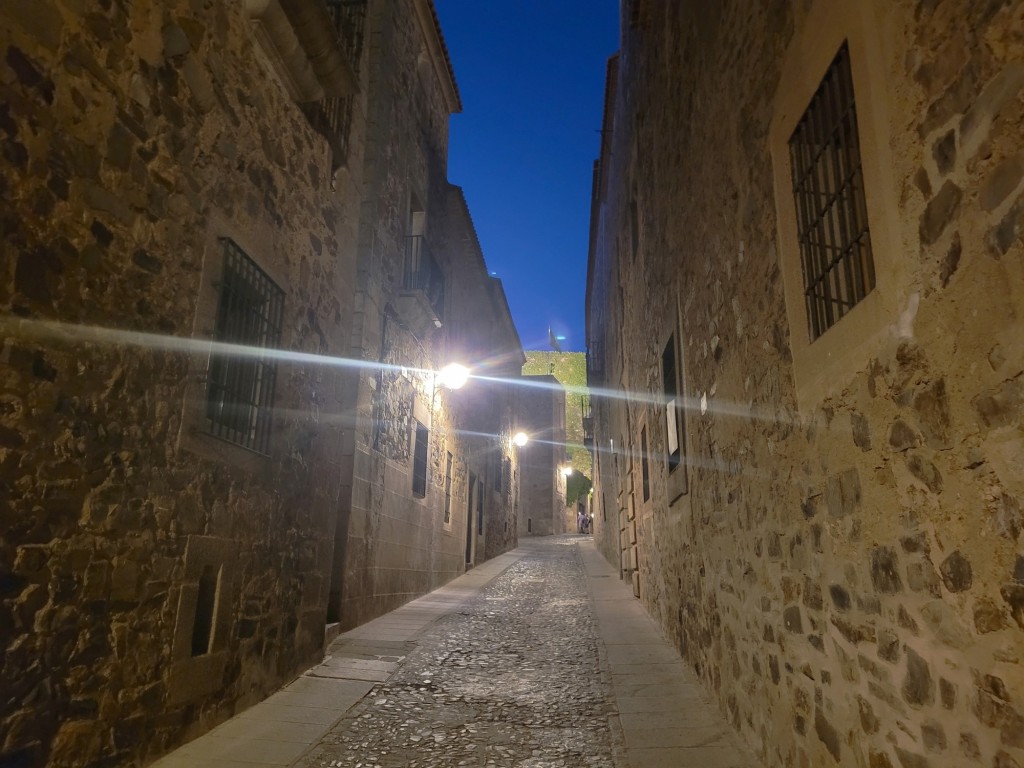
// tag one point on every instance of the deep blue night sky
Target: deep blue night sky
(531, 76)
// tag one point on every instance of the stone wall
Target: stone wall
(540, 412)
(843, 565)
(394, 544)
(481, 336)
(135, 137)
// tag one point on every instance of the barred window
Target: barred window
(419, 461)
(828, 187)
(240, 385)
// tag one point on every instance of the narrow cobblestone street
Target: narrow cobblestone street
(512, 678)
(538, 658)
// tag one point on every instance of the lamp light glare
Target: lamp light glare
(520, 439)
(453, 376)
(566, 471)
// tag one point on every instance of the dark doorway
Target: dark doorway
(469, 519)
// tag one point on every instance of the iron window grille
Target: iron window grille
(240, 385)
(828, 187)
(331, 117)
(419, 461)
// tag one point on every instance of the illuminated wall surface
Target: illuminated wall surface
(221, 312)
(838, 556)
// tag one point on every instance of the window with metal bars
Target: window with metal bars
(828, 187)
(240, 383)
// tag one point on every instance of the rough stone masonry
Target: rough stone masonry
(843, 565)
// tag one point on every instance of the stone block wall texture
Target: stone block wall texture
(134, 135)
(847, 576)
(570, 368)
(540, 412)
(482, 336)
(395, 545)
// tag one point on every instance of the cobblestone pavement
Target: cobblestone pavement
(511, 679)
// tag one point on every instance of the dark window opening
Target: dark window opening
(419, 461)
(206, 609)
(480, 512)
(644, 468)
(673, 408)
(828, 188)
(636, 12)
(448, 489)
(497, 469)
(240, 385)
(529, 525)
(423, 273)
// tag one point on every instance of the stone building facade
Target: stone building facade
(804, 301)
(540, 413)
(197, 204)
(424, 299)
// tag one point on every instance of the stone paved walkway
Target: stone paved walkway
(511, 679)
(537, 659)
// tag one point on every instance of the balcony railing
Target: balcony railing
(331, 117)
(349, 18)
(422, 273)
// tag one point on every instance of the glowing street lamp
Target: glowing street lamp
(520, 439)
(453, 376)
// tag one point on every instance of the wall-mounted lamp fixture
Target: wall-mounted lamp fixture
(452, 376)
(520, 439)
(566, 471)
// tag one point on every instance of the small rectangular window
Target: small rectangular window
(419, 461)
(206, 610)
(644, 465)
(496, 467)
(673, 409)
(448, 489)
(479, 511)
(828, 188)
(240, 384)
(634, 229)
